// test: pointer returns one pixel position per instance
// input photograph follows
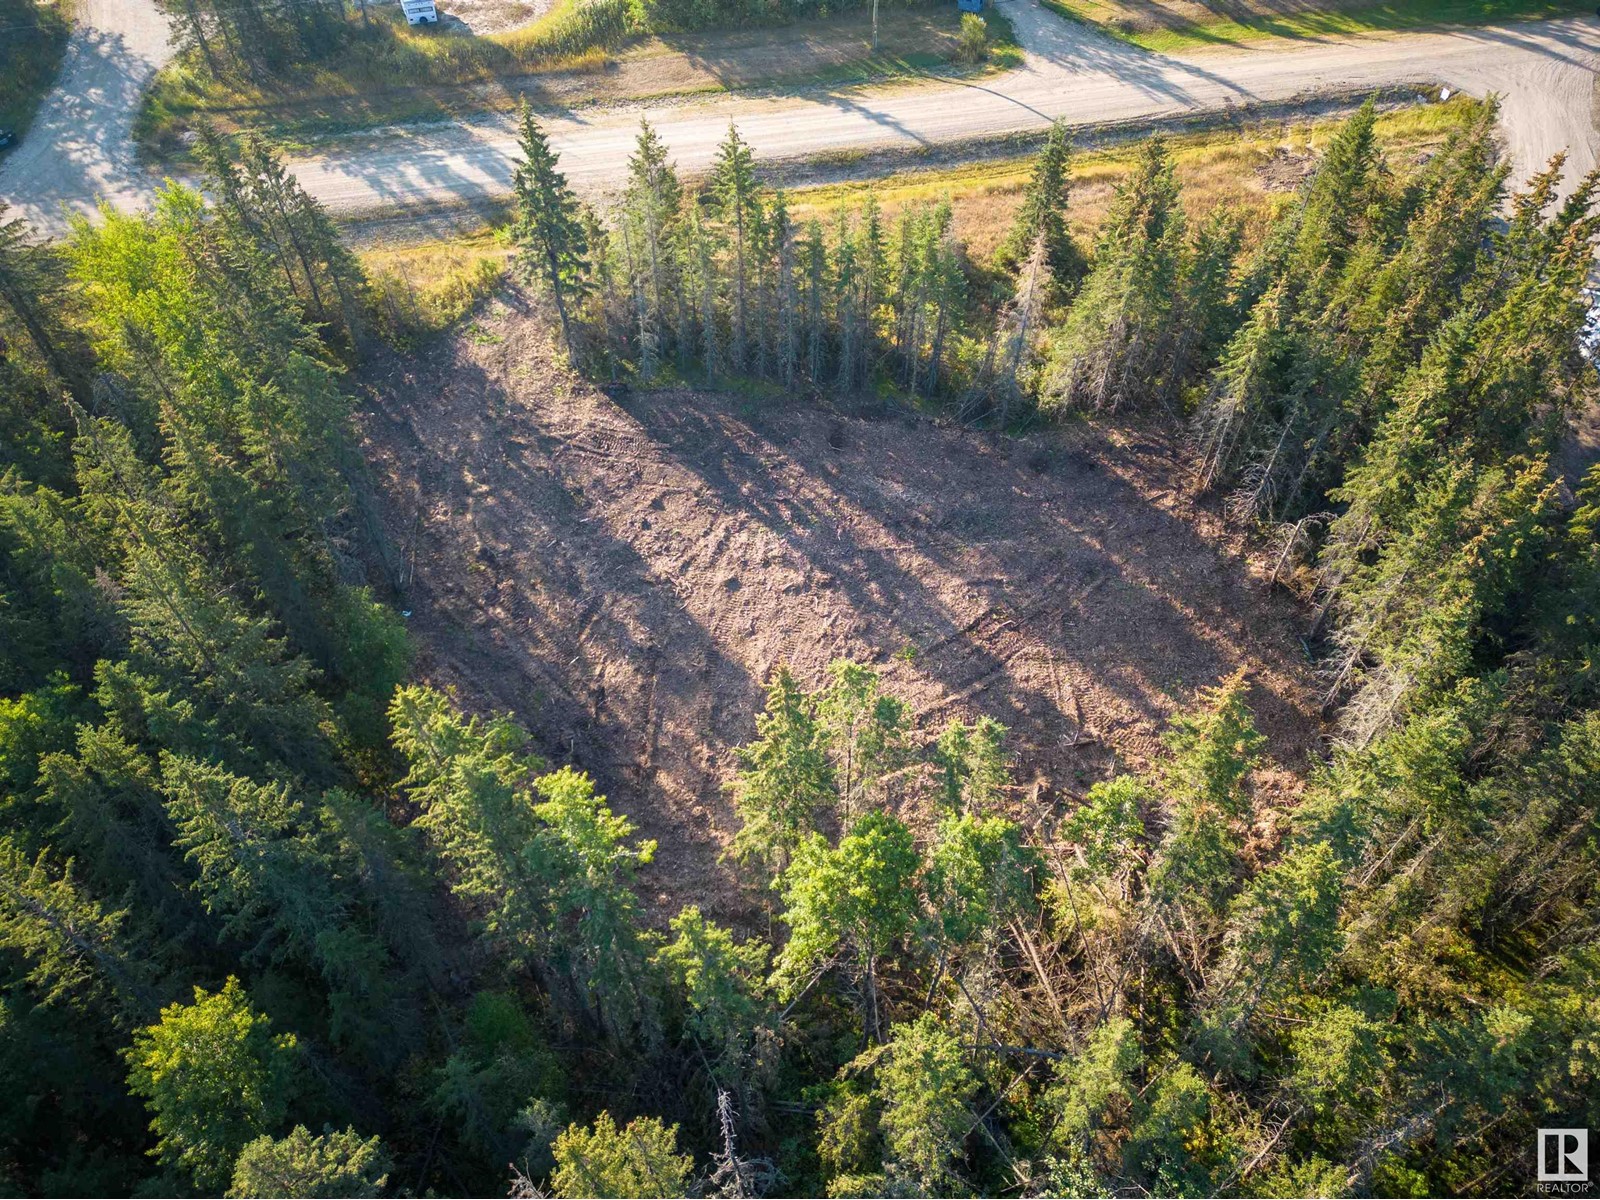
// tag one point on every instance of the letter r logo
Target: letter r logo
(1563, 1155)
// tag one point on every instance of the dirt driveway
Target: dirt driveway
(624, 574)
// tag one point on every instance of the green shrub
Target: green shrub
(972, 43)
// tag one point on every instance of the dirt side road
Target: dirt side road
(623, 574)
(80, 146)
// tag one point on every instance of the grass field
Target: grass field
(1253, 168)
(401, 75)
(33, 37)
(1165, 26)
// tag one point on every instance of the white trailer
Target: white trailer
(420, 12)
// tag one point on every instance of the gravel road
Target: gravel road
(80, 145)
(1545, 71)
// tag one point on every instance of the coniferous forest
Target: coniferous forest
(277, 919)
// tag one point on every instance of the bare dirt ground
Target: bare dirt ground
(623, 575)
(491, 16)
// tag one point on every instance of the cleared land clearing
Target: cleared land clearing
(1169, 25)
(432, 75)
(623, 574)
(494, 16)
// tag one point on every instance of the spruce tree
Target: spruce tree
(720, 982)
(214, 1077)
(738, 199)
(335, 1163)
(1214, 746)
(812, 272)
(787, 317)
(29, 281)
(928, 1089)
(865, 730)
(1116, 338)
(641, 1159)
(552, 244)
(784, 782)
(858, 898)
(1043, 214)
(651, 205)
(849, 311)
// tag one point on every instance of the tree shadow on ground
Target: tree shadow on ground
(625, 574)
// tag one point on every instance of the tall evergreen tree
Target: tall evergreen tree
(857, 900)
(739, 207)
(214, 1077)
(1116, 338)
(552, 242)
(651, 205)
(1043, 214)
(785, 781)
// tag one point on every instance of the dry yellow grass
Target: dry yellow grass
(426, 287)
(1253, 169)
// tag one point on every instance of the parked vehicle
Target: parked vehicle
(420, 12)
(6, 138)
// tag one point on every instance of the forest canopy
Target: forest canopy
(279, 918)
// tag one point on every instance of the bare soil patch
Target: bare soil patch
(624, 573)
(740, 59)
(1286, 170)
(492, 16)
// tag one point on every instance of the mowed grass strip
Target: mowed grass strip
(1170, 26)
